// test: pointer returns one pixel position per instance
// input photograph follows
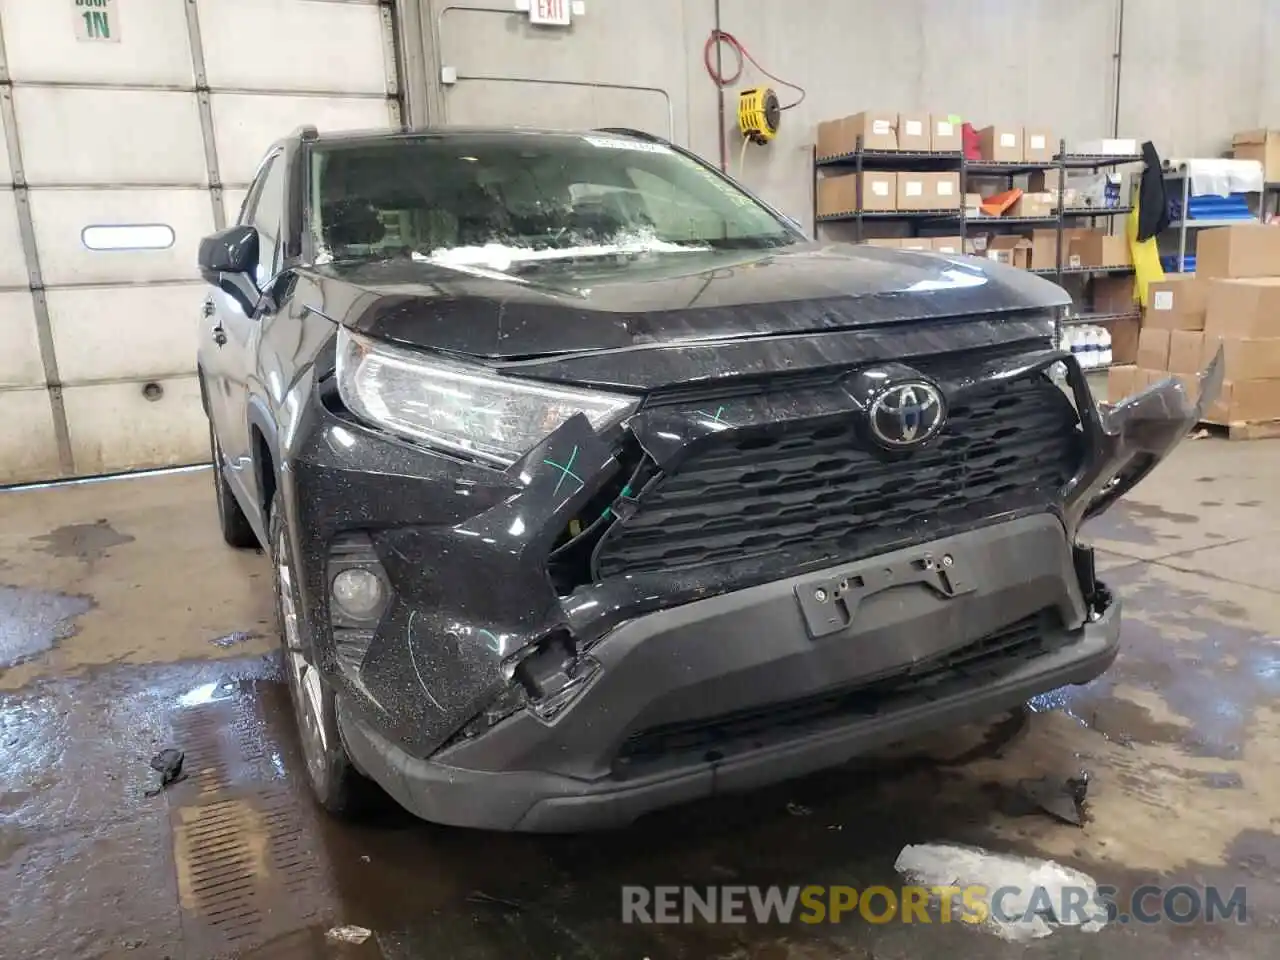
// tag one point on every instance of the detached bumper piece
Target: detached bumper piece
(739, 690)
(1128, 439)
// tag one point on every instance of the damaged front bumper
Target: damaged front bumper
(735, 691)
(484, 695)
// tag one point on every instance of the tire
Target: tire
(236, 530)
(338, 787)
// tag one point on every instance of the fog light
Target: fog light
(358, 593)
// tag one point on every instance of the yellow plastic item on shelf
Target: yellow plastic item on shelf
(1146, 257)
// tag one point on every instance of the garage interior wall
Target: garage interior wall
(1192, 72)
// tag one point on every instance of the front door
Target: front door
(232, 332)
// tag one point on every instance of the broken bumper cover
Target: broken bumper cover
(758, 665)
(1128, 439)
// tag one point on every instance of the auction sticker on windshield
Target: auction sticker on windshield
(613, 143)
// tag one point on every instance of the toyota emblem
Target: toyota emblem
(907, 415)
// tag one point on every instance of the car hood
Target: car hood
(665, 299)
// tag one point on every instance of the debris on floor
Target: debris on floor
(167, 763)
(233, 639)
(1040, 895)
(348, 934)
(1061, 798)
(798, 809)
(479, 896)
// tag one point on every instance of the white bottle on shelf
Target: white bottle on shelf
(1093, 346)
(1071, 341)
(1086, 349)
(1104, 347)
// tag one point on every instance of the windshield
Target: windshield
(509, 201)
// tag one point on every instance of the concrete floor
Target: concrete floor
(126, 626)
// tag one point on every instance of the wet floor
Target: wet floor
(126, 627)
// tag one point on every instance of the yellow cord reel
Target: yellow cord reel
(759, 114)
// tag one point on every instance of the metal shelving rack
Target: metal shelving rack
(1184, 224)
(918, 162)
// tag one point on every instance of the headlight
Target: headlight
(459, 407)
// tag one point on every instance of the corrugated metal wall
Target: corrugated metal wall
(1193, 71)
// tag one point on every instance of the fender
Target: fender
(261, 421)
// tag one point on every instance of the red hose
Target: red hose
(744, 56)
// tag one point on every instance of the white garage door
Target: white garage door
(132, 128)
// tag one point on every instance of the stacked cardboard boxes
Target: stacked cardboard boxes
(885, 130)
(1232, 304)
(878, 191)
(1015, 144)
(1081, 248)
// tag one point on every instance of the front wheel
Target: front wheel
(235, 526)
(338, 786)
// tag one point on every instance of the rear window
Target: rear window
(496, 201)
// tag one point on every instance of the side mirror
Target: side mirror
(228, 260)
(233, 250)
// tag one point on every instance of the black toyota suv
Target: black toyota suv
(592, 486)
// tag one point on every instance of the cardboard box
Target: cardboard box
(1244, 308)
(1114, 295)
(1038, 145)
(913, 132)
(1001, 144)
(976, 244)
(1014, 251)
(1177, 302)
(1098, 249)
(1248, 250)
(917, 243)
(1153, 349)
(1110, 147)
(839, 137)
(1186, 347)
(1044, 248)
(894, 242)
(1260, 145)
(972, 205)
(945, 133)
(1044, 181)
(947, 245)
(1245, 400)
(1034, 205)
(1121, 382)
(1243, 359)
(878, 191)
(944, 190)
(1124, 339)
(914, 191)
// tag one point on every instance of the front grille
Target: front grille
(981, 661)
(813, 493)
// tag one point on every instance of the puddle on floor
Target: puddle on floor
(86, 541)
(33, 621)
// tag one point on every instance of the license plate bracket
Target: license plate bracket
(829, 604)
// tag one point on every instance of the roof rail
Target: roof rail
(307, 132)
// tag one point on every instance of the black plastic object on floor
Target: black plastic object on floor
(167, 763)
(1061, 799)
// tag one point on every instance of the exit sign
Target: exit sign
(550, 13)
